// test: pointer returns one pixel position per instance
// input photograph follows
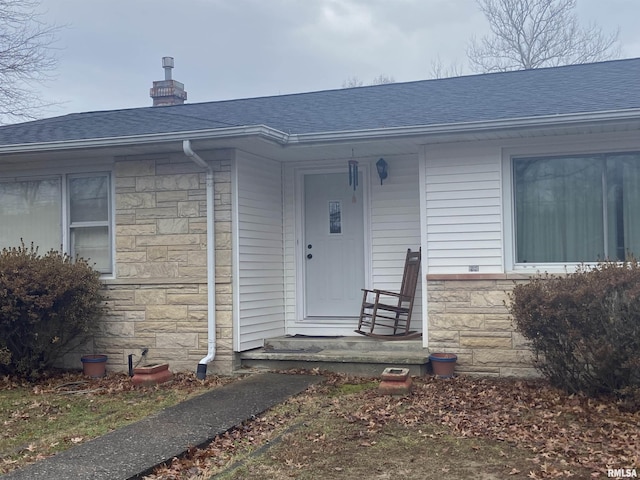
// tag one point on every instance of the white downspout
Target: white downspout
(211, 262)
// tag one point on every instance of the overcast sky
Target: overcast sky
(110, 51)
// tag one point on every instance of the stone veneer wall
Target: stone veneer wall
(158, 299)
(468, 317)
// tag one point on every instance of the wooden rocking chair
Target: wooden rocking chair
(392, 310)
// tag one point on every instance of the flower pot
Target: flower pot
(151, 374)
(94, 366)
(395, 381)
(443, 364)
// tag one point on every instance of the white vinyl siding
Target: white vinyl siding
(395, 226)
(260, 267)
(290, 278)
(463, 210)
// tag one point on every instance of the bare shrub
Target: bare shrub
(47, 304)
(584, 327)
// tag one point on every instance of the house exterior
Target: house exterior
(220, 225)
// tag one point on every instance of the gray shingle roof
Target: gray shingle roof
(589, 88)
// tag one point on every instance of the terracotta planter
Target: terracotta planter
(151, 374)
(443, 364)
(94, 366)
(395, 381)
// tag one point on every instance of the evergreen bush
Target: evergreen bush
(48, 304)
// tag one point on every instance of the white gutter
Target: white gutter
(285, 139)
(564, 120)
(263, 131)
(201, 371)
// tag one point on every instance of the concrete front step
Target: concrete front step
(357, 342)
(353, 355)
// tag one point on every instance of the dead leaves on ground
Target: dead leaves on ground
(222, 452)
(51, 400)
(563, 433)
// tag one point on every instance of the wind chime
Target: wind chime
(353, 177)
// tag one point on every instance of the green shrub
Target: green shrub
(584, 327)
(48, 304)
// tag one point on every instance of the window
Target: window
(89, 219)
(31, 209)
(335, 217)
(577, 208)
(68, 211)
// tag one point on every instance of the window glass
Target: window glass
(31, 210)
(335, 217)
(623, 205)
(89, 199)
(92, 244)
(75, 219)
(577, 209)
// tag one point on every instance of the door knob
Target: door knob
(309, 256)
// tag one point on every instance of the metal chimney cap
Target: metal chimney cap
(167, 62)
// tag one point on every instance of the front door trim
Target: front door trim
(299, 198)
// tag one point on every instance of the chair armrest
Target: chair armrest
(386, 292)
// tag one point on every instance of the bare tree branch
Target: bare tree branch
(354, 81)
(438, 70)
(529, 34)
(383, 79)
(27, 57)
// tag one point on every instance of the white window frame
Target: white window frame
(68, 225)
(64, 177)
(595, 145)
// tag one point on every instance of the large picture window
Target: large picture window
(31, 210)
(577, 208)
(72, 212)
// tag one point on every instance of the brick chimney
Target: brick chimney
(167, 91)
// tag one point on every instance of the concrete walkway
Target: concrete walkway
(131, 450)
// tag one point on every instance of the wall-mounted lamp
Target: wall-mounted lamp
(381, 165)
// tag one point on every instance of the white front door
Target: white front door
(333, 246)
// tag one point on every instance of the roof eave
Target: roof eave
(455, 129)
(307, 139)
(263, 131)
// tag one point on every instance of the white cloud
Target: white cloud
(112, 49)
